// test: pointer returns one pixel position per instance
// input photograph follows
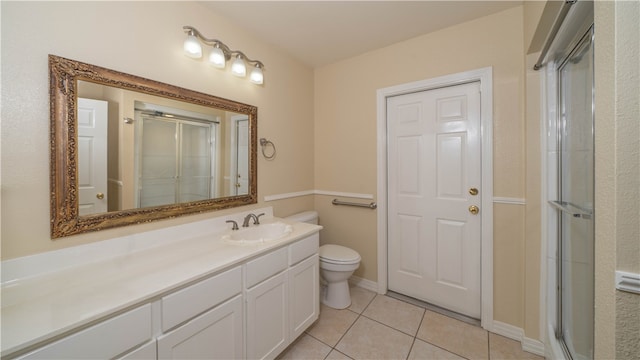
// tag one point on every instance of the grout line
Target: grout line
(415, 337)
(352, 324)
(488, 345)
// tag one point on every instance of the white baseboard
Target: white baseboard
(513, 332)
(533, 346)
(364, 283)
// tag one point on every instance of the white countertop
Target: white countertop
(37, 308)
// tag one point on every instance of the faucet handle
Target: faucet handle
(257, 221)
(235, 224)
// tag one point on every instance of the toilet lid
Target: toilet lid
(338, 254)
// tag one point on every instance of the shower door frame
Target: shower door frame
(588, 37)
(578, 22)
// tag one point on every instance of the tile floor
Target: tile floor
(381, 327)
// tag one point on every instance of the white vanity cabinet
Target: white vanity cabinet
(188, 333)
(282, 297)
(252, 308)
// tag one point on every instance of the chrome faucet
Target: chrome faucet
(235, 224)
(256, 219)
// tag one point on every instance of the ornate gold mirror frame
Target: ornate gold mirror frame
(64, 75)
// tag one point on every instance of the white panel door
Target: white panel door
(92, 156)
(434, 165)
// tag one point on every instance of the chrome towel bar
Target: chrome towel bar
(371, 205)
(572, 209)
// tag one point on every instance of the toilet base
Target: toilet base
(336, 295)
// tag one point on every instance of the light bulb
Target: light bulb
(256, 76)
(216, 58)
(192, 46)
(238, 68)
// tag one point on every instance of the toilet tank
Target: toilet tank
(310, 217)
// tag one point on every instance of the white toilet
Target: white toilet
(337, 264)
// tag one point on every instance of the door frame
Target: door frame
(485, 77)
(233, 161)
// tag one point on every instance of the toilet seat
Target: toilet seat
(336, 254)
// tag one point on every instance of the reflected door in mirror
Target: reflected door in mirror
(92, 158)
(240, 154)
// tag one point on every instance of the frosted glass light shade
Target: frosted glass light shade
(238, 68)
(192, 47)
(216, 58)
(256, 76)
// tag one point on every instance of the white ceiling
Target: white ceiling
(322, 32)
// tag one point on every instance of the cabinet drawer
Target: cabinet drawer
(102, 341)
(266, 266)
(304, 248)
(189, 302)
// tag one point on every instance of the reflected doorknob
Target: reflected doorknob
(474, 209)
(100, 196)
(238, 185)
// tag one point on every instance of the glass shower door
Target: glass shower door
(576, 195)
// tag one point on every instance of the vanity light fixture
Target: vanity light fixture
(220, 54)
(238, 68)
(256, 76)
(192, 46)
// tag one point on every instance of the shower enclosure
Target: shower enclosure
(570, 167)
(575, 202)
(175, 161)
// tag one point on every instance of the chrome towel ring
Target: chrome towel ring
(264, 143)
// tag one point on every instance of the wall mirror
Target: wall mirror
(127, 150)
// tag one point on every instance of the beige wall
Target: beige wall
(628, 163)
(617, 160)
(345, 141)
(145, 39)
(533, 196)
(532, 16)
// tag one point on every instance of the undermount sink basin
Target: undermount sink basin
(259, 233)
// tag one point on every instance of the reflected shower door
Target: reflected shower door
(196, 157)
(176, 160)
(576, 191)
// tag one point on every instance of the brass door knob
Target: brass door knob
(100, 196)
(473, 191)
(238, 185)
(474, 209)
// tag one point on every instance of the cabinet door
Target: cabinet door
(217, 334)
(267, 318)
(304, 296)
